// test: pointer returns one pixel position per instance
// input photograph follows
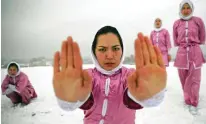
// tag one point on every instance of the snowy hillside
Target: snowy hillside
(44, 109)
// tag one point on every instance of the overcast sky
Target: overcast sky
(33, 28)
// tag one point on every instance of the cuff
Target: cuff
(151, 102)
(70, 106)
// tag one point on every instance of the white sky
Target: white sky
(39, 26)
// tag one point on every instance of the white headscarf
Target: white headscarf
(158, 29)
(180, 9)
(18, 66)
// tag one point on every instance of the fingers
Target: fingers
(56, 85)
(145, 50)
(56, 62)
(70, 52)
(77, 56)
(138, 54)
(152, 53)
(145, 54)
(159, 57)
(63, 56)
(70, 55)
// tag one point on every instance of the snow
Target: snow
(44, 109)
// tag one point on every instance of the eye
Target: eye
(102, 49)
(116, 48)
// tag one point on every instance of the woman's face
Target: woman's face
(186, 10)
(108, 51)
(12, 70)
(158, 23)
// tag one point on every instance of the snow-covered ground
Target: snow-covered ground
(44, 109)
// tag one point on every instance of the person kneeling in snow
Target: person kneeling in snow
(16, 85)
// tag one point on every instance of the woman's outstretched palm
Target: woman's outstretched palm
(70, 82)
(150, 76)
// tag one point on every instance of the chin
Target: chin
(108, 69)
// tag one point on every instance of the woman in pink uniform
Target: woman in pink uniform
(189, 34)
(109, 93)
(160, 37)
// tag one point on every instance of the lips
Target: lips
(109, 64)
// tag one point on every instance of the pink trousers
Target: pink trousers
(190, 80)
(24, 97)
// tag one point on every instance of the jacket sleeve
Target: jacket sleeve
(5, 84)
(128, 102)
(168, 43)
(151, 102)
(22, 82)
(175, 34)
(71, 106)
(201, 31)
(151, 38)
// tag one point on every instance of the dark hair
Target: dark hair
(159, 19)
(14, 64)
(105, 30)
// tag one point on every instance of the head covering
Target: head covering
(105, 30)
(180, 9)
(18, 68)
(157, 29)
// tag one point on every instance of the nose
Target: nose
(13, 71)
(109, 54)
(186, 11)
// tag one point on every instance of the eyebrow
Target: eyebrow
(112, 46)
(115, 45)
